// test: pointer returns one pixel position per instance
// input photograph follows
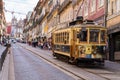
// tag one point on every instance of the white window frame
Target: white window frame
(93, 5)
(86, 8)
(101, 3)
(117, 6)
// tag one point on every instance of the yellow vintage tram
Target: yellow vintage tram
(81, 43)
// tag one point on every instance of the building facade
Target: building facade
(9, 29)
(14, 27)
(113, 25)
(91, 9)
(50, 15)
(2, 22)
(19, 29)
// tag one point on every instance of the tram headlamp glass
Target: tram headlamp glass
(81, 49)
(94, 52)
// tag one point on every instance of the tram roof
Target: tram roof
(83, 25)
(87, 25)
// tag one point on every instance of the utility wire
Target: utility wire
(12, 12)
(80, 7)
(18, 2)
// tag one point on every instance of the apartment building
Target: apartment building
(113, 25)
(91, 9)
(2, 22)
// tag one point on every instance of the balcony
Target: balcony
(50, 2)
(40, 11)
(40, 19)
(64, 5)
(50, 14)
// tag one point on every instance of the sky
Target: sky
(18, 6)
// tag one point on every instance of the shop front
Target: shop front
(114, 42)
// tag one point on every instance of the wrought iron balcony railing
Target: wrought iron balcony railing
(64, 4)
(50, 14)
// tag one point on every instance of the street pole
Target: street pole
(106, 13)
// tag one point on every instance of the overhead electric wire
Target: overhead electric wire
(18, 2)
(14, 12)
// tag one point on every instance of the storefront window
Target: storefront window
(117, 43)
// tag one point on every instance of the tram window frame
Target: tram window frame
(75, 35)
(95, 35)
(56, 38)
(63, 36)
(67, 37)
(59, 38)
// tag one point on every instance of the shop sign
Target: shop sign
(114, 29)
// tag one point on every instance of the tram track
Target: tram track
(97, 74)
(78, 77)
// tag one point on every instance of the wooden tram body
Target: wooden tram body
(83, 43)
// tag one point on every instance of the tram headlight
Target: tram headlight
(82, 49)
(94, 52)
(94, 49)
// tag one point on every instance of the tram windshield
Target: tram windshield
(102, 36)
(83, 35)
(94, 34)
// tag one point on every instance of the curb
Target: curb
(7, 72)
(11, 67)
(5, 69)
(112, 65)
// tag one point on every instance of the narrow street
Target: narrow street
(59, 39)
(30, 65)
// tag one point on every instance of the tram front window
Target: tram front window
(83, 35)
(94, 35)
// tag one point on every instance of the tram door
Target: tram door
(74, 45)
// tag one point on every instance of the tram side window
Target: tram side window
(83, 35)
(94, 34)
(55, 37)
(102, 36)
(67, 37)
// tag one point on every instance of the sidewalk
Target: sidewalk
(7, 72)
(2, 48)
(1, 51)
(112, 65)
(108, 64)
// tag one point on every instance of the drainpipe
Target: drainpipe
(108, 54)
(106, 13)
